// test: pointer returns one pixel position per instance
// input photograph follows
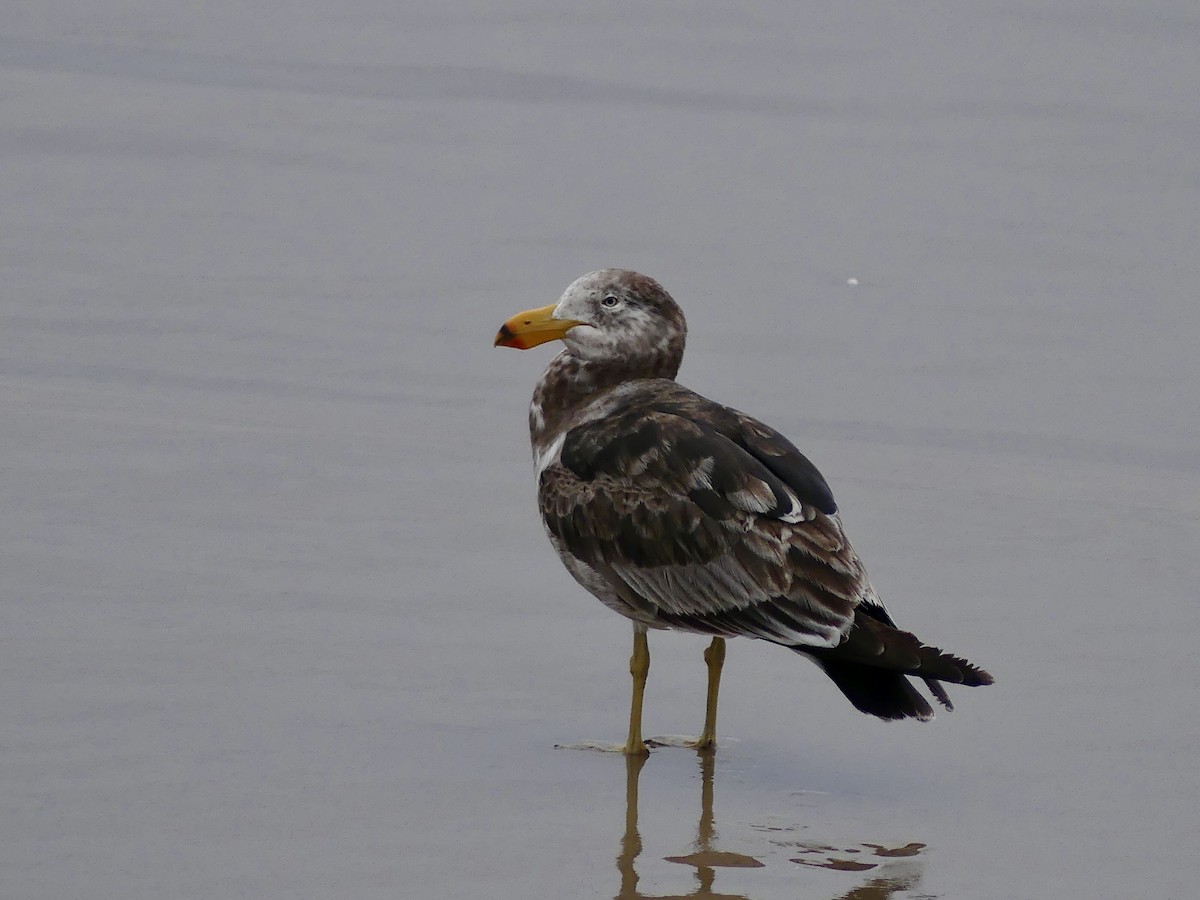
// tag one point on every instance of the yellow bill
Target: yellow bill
(532, 327)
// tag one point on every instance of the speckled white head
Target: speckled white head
(622, 315)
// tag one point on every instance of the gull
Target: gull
(680, 513)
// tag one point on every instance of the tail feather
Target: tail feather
(939, 692)
(870, 666)
(877, 692)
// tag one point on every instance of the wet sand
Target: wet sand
(278, 618)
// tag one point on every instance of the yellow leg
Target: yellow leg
(639, 667)
(714, 657)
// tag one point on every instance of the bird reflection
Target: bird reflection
(706, 859)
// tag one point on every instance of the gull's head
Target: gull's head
(608, 314)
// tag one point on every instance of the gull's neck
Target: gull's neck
(569, 384)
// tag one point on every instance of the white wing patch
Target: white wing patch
(756, 497)
(544, 459)
(701, 477)
(798, 513)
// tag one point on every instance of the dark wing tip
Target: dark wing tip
(939, 694)
(876, 692)
(969, 674)
(787, 463)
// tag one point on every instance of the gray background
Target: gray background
(277, 617)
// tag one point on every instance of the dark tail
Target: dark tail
(877, 692)
(870, 666)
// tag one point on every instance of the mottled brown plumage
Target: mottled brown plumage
(680, 513)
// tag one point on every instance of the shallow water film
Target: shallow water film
(278, 618)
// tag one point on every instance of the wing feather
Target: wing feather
(692, 529)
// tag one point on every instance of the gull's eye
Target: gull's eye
(610, 301)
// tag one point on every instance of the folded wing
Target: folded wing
(703, 519)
